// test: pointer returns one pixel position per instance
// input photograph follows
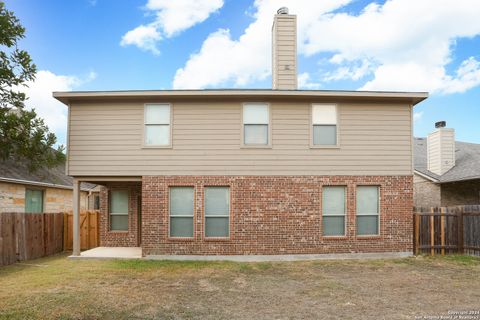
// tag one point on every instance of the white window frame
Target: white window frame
(182, 215)
(368, 214)
(269, 129)
(217, 216)
(337, 125)
(110, 214)
(145, 124)
(345, 210)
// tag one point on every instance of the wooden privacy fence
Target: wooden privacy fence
(89, 230)
(25, 236)
(445, 230)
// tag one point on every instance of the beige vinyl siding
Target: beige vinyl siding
(284, 52)
(441, 150)
(106, 139)
(434, 159)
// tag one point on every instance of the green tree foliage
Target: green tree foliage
(23, 135)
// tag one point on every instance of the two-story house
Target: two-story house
(235, 172)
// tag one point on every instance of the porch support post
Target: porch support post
(76, 217)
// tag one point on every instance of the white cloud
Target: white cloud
(144, 37)
(417, 115)
(355, 70)
(305, 82)
(399, 45)
(171, 18)
(467, 77)
(223, 60)
(40, 98)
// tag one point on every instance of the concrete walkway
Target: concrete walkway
(136, 253)
(111, 253)
(285, 257)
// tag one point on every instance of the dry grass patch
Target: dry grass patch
(56, 287)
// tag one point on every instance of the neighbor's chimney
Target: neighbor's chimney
(284, 50)
(441, 149)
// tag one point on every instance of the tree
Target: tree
(23, 135)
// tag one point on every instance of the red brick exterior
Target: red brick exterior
(271, 215)
(128, 238)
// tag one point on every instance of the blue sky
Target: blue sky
(397, 45)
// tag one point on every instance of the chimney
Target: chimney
(284, 50)
(441, 149)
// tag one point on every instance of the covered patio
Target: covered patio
(120, 217)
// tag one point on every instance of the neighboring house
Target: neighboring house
(45, 190)
(447, 172)
(225, 172)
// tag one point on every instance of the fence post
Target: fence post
(442, 230)
(460, 231)
(432, 233)
(88, 229)
(76, 218)
(417, 233)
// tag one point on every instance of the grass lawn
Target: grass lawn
(56, 287)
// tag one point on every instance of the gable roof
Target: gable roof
(73, 96)
(17, 172)
(467, 162)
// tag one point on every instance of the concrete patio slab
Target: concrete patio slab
(111, 253)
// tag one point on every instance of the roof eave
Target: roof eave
(460, 180)
(38, 183)
(68, 96)
(426, 176)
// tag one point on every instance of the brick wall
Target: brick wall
(276, 215)
(428, 194)
(12, 198)
(128, 238)
(461, 193)
(425, 192)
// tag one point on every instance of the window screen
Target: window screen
(255, 124)
(324, 121)
(33, 201)
(119, 210)
(157, 124)
(217, 211)
(181, 212)
(333, 210)
(368, 210)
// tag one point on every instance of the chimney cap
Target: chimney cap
(440, 124)
(282, 10)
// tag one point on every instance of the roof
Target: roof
(17, 172)
(410, 97)
(467, 162)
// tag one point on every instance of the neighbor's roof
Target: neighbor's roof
(410, 97)
(467, 162)
(17, 172)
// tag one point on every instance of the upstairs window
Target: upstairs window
(157, 125)
(256, 120)
(324, 122)
(368, 210)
